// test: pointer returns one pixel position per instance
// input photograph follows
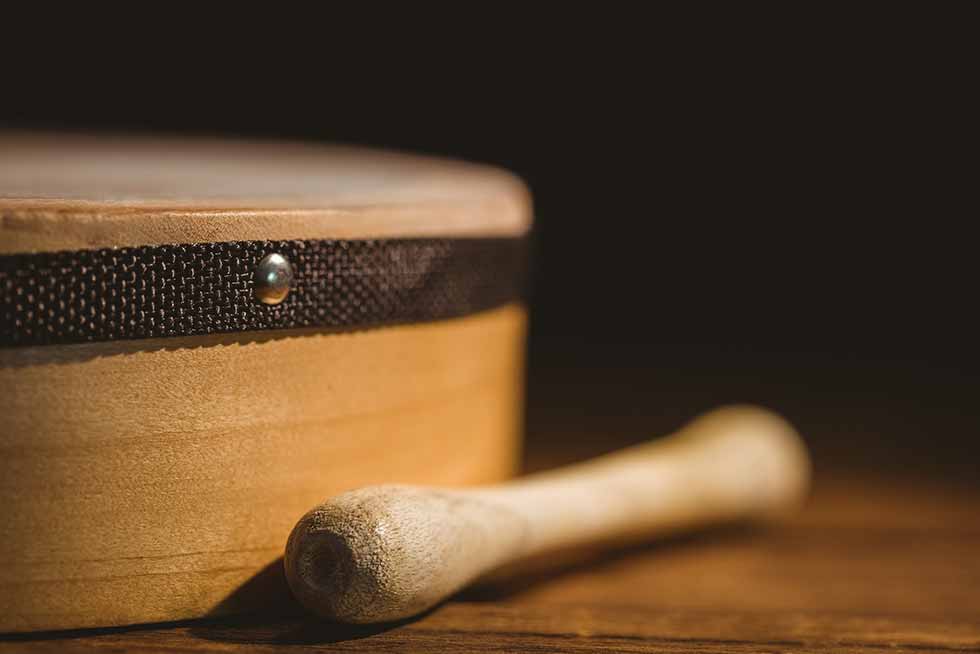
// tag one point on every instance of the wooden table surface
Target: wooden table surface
(886, 556)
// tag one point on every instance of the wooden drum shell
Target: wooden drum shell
(157, 479)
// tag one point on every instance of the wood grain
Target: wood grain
(158, 479)
(385, 553)
(815, 584)
(74, 191)
(153, 480)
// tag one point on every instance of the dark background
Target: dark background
(733, 203)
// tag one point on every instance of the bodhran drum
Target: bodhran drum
(199, 341)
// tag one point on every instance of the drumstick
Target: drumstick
(388, 552)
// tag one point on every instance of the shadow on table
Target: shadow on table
(255, 630)
(294, 627)
(289, 624)
(281, 621)
(529, 574)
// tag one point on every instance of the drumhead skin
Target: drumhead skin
(168, 417)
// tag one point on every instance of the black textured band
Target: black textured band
(208, 288)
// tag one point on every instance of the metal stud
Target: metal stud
(273, 277)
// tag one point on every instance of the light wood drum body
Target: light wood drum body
(153, 471)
